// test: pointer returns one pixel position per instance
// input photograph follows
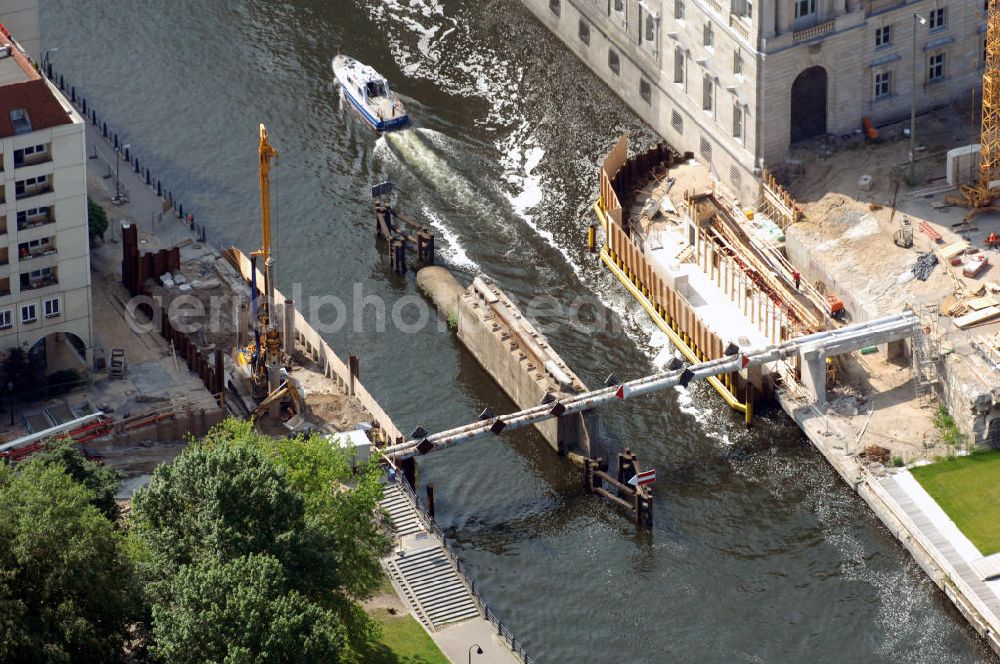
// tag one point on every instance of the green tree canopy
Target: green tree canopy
(66, 587)
(238, 498)
(97, 219)
(102, 481)
(242, 611)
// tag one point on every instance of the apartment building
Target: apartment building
(738, 82)
(45, 302)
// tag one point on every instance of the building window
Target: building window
(937, 19)
(708, 36)
(621, 11)
(804, 8)
(742, 8)
(706, 149)
(6, 319)
(52, 308)
(677, 122)
(883, 84)
(883, 36)
(555, 7)
(678, 65)
(645, 90)
(707, 93)
(935, 70)
(613, 61)
(737, 62)
(679, 10)
(29, 313)
(20, 121)
(737, 120)
(583, 31)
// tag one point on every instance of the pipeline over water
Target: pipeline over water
(833, 342)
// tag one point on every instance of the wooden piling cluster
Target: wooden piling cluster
(388, 232)
(636, 499)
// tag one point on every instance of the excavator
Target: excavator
(259, 361)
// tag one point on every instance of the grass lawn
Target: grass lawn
(968, 490)
(404, 641)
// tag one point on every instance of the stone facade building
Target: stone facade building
(738, 82)
(45, 303)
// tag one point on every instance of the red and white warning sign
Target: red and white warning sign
(744, 361)
(643, 478)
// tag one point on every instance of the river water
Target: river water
(759, 552)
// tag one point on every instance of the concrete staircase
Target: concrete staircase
(424, 573)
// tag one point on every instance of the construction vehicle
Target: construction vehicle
(981, 195)
(287, 388)
(258, 363)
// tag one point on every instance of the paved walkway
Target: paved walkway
(425, 577)
(934, 524)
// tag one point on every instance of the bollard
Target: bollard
(62, 83)
(83, 105)
(128, 158)
(116, 140)
(48, 69)
(72, 94)
(147, 177)
(180, 210)
(159, 189)
(137, 169)
(104, 130)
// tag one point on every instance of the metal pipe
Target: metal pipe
(899, 325)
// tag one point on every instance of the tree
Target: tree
(66, 587)
(242, 611)
(102, 481)
(320, 472)
(97, 219)
(240, 495)
(19, 372)
(221, 503)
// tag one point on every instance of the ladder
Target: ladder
(116, 369)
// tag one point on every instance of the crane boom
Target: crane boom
(980, 195)
(266, 153)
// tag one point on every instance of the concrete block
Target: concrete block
(962, 164)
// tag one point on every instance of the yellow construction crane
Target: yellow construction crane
(981, 195)
(261, 358)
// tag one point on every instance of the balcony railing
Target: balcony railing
(29, 284)
(28, 192)
(736, 24)
(25, 254)
(31, 160)
(34, 222)
(815, 32)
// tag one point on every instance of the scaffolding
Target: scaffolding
(926, 353)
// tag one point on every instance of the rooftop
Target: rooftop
(27, 102)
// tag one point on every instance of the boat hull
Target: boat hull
(368, 112)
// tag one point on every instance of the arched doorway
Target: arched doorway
(809, 104)
(59, 351)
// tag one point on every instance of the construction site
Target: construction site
(188, 335)
(896, 220)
